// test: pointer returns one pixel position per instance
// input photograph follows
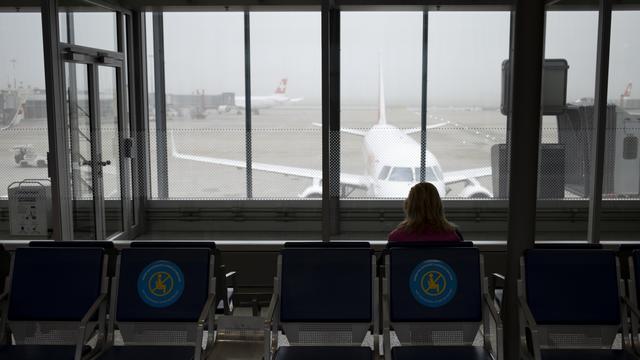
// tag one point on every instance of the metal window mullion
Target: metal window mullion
(423, 109)
(600, 118)
(334, 124)
(525, 120)
(326, 217)
(72, 112)
(330, 19)
(138, 112)
(160, 95)
(57, 158)
(96, 151)
(247, 103)
(124, 171)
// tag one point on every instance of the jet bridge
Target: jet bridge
(621, 163)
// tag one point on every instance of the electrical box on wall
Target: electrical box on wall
(30, 208)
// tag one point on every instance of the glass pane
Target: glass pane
(466, 53)
(565, 153)
(92, 26)
(80, 138)
(622, 164)
(381, 71)
(23, 109)
(204, 68)
(110, 151)
(286, 102)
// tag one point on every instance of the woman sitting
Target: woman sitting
(424, 218)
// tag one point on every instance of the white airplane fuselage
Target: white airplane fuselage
(262, 102)
(386, 146)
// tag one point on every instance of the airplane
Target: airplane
(258, 103)
(390, 170)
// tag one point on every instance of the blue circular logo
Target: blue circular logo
(160, 284)
(433, 283)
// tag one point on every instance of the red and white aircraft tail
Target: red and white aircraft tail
(282, 87)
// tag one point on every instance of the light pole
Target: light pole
(13, 63)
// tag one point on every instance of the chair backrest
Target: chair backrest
(423, 244)
(163, 284)
(435, 294)
(332, 244)
(108, 247)
(435, 284)
(326, 285)
(173, 244)
(327, 295)
(568, 246)
(55, 284)
(572, 287)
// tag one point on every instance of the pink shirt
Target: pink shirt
(400, 235)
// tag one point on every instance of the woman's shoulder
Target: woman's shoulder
(397, 234)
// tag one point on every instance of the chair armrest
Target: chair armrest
(491, 306)
(231, 275)
(206, 309)
(634, 310)
(528, 315)
(530, 322)
(3, 316)
(272, 309)
(92, 310)
(82, 329)
(492, 280)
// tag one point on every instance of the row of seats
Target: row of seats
(328, 300)
(65, 301)
(435, 299)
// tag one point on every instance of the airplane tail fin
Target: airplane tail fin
(627, 90)
(282, 87)
(382, 111)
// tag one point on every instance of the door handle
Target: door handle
(101, 163)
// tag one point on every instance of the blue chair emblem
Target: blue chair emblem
(433, 283)
(161, 284)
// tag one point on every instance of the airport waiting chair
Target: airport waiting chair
(324, 302)
(435, 299)
(571, 305)
(161, 300)
(226, 281)
(108, 247)
(55, 303)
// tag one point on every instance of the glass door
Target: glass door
(81, 145)
(109, 126)
(93, 120)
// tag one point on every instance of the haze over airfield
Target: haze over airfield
(466, 50)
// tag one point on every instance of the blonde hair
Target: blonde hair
(423, 209)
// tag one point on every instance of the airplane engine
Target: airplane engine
(475, 191)
(313, 191)
(223, 109)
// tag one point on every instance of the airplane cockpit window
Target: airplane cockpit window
(439, 173)
(384, 173)
(401, 174)
(429, 174)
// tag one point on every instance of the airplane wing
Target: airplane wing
(351, 131)
(357, 181)
(461, 175)
(296, 99)
(429, 127)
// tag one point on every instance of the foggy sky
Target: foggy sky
(466, 50)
